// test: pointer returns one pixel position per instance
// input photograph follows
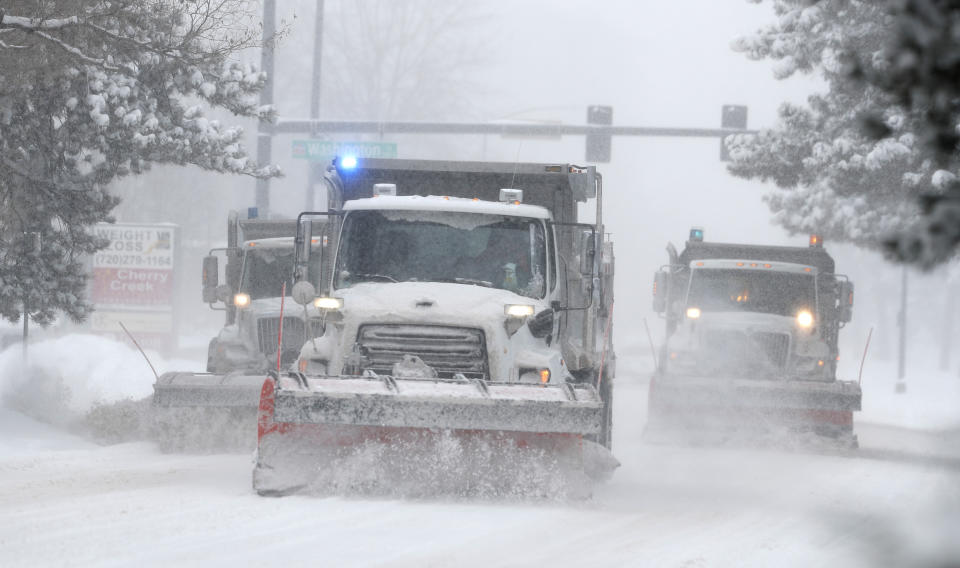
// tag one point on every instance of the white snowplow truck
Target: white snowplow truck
(466, 313)
(751, 346)
(217, 409)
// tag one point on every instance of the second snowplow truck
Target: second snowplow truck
(217, 409)
(465, 305)
(751, 345)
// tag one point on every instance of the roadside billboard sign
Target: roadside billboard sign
(133, 281)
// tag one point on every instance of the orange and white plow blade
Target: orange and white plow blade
(373, 433)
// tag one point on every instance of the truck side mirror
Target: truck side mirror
(846, 302)
(211, 279)
(587, 252)
(541, 325)
(304, 244)
(303, 292)
(661, 286)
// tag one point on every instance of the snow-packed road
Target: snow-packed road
(68, 502)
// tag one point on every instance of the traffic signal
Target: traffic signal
(598, 145)
(731, 116)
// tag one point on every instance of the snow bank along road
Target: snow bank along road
(67, 502)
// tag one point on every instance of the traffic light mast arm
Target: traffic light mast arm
(306, 126)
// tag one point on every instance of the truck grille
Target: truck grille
(449, 350)
(776, 346)
(739, 353)
(293, 337)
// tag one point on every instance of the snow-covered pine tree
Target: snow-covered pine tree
(853, 161)
(92, 91)
(922, 72)
(833, 178)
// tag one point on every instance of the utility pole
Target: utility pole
(902, 320)
(264, 136)
(315, 96)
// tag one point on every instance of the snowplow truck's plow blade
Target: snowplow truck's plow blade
(232, 390)
(701, 409)
(320, 424)
(205, 412)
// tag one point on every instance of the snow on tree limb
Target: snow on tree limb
(34, 24)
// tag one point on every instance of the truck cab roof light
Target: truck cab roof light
(696, 234)
(514, 196)
(816, 241)
(348, 162)
(384, 189)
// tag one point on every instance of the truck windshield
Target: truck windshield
(740, 290)
(265, 270)
(496, 251)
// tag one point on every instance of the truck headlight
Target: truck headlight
(804, 319)
(518, 310)
(328, 303)
(693, 313)
(241, 300)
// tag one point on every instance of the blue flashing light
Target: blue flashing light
(696, 234)
(348, 162)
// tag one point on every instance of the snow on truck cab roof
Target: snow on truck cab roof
(752, 264)
(446, 204)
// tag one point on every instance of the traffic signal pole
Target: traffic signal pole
(306, 126)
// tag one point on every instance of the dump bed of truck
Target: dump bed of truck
(556, 187)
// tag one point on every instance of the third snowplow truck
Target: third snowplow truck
(466, 310)
(751, 345)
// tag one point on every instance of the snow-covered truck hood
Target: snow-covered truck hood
(718, 339)
(438, 304)
(434, 302)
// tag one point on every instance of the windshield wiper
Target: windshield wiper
(473, 281)
(373, 277)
